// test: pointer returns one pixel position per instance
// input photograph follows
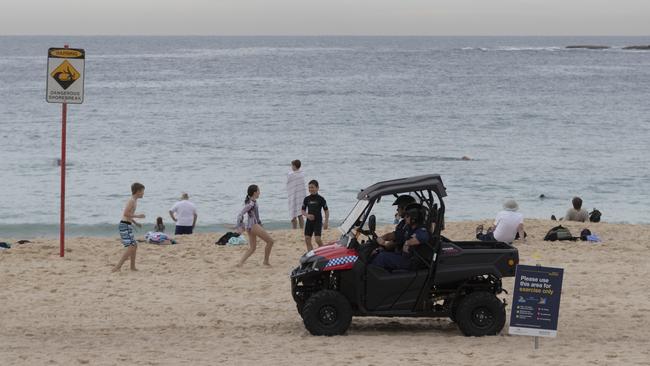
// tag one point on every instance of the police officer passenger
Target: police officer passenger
(415, 234)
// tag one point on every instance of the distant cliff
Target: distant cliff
(589, 47)
(641, 47)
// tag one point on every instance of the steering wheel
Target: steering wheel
(372, 225)
(373, 236)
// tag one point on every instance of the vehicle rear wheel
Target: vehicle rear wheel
(480, 313)
(327, 313)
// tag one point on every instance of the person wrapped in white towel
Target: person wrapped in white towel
(296, 193)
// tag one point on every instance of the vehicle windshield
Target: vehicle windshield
(352, 217)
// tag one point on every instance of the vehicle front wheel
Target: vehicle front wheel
(327, 313)
(480, 313)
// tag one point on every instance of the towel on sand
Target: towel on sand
(156, 237)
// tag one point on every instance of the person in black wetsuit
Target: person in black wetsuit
(311, 209)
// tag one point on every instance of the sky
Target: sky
(326, 17)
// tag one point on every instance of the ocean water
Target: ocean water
(211, 115)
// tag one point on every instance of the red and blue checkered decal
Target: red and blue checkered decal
(341, 260)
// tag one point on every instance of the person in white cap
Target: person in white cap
(507, 224)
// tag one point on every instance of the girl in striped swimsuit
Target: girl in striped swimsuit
(253, 226)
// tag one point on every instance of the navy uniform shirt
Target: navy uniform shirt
(420, 233)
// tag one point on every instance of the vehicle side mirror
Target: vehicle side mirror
(372, 223)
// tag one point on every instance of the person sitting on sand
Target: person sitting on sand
(507, 225)
(576, 213)
(159, 227)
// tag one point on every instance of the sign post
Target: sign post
(536, 301)
(65, 84)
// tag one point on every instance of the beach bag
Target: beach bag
(223, 240)
(587, 235)
(559, 233)
(594, 216)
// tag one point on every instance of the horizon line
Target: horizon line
(323, 35)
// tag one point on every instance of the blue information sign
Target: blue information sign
(536, 301)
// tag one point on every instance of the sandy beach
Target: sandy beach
(187, 304)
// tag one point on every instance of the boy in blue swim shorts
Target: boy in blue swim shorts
(126, 227)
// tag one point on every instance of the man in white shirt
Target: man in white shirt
(184, 214)
(507, 224)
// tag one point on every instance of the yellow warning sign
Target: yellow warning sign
(66, 53)
(65, 74)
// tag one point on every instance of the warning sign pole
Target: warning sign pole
(64, 115)
(65, 85)
(64, 112)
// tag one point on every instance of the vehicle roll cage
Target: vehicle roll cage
(428, 189)
(424, 187)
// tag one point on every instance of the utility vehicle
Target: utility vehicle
(455, 279)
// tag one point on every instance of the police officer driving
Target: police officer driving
(390, 241)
